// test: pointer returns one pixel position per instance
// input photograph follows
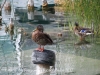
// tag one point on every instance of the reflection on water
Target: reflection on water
(70, 59)
(18, 51)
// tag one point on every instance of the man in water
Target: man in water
(81, 33)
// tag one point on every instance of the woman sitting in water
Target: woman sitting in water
(82, 32)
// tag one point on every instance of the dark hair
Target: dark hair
(40, 28)
(76, 24)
